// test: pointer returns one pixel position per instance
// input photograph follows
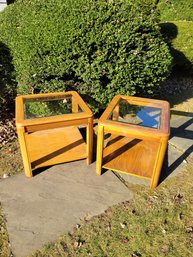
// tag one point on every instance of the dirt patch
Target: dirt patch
(10, 159)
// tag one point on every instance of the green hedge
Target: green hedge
(7, 83)
(99, 48)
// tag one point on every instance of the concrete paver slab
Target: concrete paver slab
(42, 208)
(180, 121)
(182, 133)
(134, 180)
(174, 163)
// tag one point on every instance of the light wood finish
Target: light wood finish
(19, 112)
(127, 129)
(52, 146)
(100, 144)
(20, 121)
(52, 125)
(74, 105)
(163, 131)
(158, 163)
(24, 151)
(131, 148)
(130, 155)
(54, 119)
(56, 139)
(116, 113)
(89, 140)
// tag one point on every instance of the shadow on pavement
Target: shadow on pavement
(181, 132)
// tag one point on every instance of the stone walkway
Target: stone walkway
(39, 210)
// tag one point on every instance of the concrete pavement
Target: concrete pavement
(40, 209)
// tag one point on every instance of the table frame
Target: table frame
(147, 135)
(27, 129)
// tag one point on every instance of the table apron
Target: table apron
(131, 133)
(51, 125)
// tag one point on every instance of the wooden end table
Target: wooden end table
(138, 130)
(48, 129)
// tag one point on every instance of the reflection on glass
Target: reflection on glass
(50, 106)
(144, 116)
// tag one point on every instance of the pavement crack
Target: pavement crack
(175, 147)
(188, 155)
(121, 179)
(27, 230)
(49, 197)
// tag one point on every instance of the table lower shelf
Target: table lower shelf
(130, 155)
(53, 146)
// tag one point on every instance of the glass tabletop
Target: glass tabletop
(145, 116)
(50, 106)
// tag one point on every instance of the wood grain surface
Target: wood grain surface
(130, 155)
(54, 146)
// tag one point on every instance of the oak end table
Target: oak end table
(48, 129)
(138, 131)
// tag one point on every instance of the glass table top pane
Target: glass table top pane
(144, 116)
(50, 106)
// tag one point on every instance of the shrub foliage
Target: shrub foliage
(7, 83)
(99, 48)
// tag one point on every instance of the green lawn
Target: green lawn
(177, 21)
(179, 35)
(183, 42)
(4, 241)
(181, 10)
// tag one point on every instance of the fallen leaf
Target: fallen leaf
(123, 225)
(180, 216)
(133, 211)
(125, 240)
(178, 197)
(165, 249)
(135, 254)
(163, 231)
(108, 227)
(5, 175)
(189, 229)
(77, 225)
(77, 244)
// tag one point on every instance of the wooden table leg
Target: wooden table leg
(100, 145)
(89, 140)
(24, 152)
(159, 163)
